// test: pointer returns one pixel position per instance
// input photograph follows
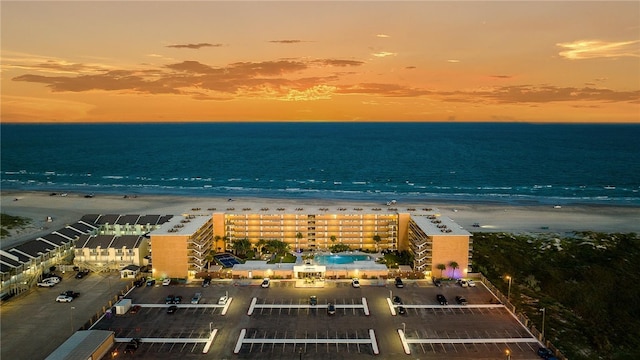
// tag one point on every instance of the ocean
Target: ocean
(516, 163)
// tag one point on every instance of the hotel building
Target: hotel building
(180, 247)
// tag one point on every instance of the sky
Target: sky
(157, 61)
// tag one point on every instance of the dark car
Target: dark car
(331, 309)
(437, 282)
(441, 299)
(151, 282)
(172, 309)
(177, 299)
(397, 300)
(138, 283)
(546, 354)
(461, 300)
(132, 346)
(82, 273)
(399, 283)
(313, 300)
(402, 310)
(206, 282)
(168, 299)
(70, 293)
(134, 309)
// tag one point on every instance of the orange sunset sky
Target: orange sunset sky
(542, 61)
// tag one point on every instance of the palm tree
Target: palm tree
(298, 238)
(454, 265)
(377, 239)
(441, 267)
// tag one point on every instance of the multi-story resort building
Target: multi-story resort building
(180, 246)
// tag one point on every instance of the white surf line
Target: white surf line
(254, 305)
(242, 340)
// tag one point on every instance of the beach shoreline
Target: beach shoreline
(490, 216)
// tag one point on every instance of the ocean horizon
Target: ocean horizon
(515, 163)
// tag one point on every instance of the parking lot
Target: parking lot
(272, 323)
(280, 323)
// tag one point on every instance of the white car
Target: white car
(46, 284)
(52, 279)
(355, 283)
(223, 300)
(166, 282)
(64, 298)
(471, 283)
(196, 298)
(265, 283)
(463, 282)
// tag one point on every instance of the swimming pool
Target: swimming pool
(333, 259)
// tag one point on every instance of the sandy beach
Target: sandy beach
(68, 209)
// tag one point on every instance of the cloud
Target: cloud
(453, 61)
(501, 76)
(193, 46)
(548, 93)
(384, 54)
(410, 67)
(318, 92)
(338, 62)
(286, 41)
(592, 49)
(382, 36)
(391, 90)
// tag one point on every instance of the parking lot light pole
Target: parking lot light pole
(391, 294)
(509, 289)
(404, 328)
(211, 327)
(71, 314)
(544, 312)
(508, 353)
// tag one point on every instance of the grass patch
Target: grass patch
(9, 222)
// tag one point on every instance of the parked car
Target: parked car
(441, 299)
(138, 283)
(53, 277)
(402, 310)
(206, 282)
(151, 282)
(46, 284)
(177, 299)
(461, 300)
(331, 309)
(172, 309)
(223, 300)
(168, 299)
(313, 300)
(265, 283)
(437, 282)
(70, 293)
(54, 280)
(399, 283)
(134, 309)
(471, 283)
(355, 283)
(196, 298)
(397, 300)
(546, 354)
(82, 273)
(64, 298)
(463, 282)
(166, 282)
(132, 346)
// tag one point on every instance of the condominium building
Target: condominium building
(180, 247)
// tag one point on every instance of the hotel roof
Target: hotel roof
(68, 232)
(439, 225)
(56, 239)
(182, 225)
(148, 219)
(34, 248)
(107, 219)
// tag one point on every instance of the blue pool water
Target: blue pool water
(339, 259)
